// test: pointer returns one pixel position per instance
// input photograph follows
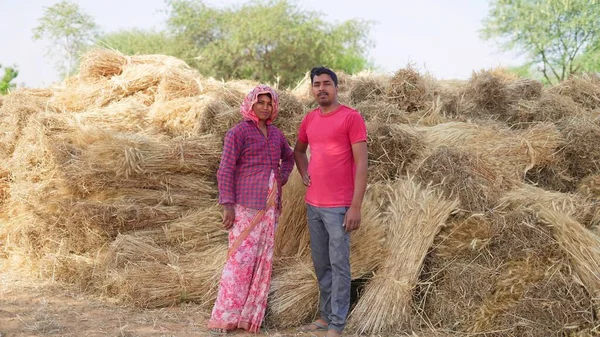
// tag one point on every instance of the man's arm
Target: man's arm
(352, 220)
(302, 161)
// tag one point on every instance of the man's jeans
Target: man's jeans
(330, 245)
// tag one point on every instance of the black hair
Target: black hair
(316, 71)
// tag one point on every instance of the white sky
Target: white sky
(438, 36)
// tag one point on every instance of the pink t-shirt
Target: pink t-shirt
(331, 166)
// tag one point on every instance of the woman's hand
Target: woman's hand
(228, 216)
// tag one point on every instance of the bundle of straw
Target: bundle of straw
(101, 63)
(294, 294)
(416, 215)
(292, 237)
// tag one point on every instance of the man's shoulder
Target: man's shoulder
(350, 110)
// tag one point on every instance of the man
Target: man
(336, 179)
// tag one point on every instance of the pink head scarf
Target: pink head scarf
(252, 97)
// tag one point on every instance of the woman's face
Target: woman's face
(263, 108)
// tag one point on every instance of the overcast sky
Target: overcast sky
(438, 36)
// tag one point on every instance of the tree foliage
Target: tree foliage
(10, 73)
(273, 42)
(137, 41)
(69, 30)
(553, 33)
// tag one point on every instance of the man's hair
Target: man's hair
(317, 71)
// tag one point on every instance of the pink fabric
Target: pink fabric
(331, 166)
(246, 277)
(252, 97)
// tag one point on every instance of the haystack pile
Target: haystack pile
(481, 215)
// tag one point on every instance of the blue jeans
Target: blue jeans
(330, 246)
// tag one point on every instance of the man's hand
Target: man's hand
(306, 179)
(352, 219)
(228, 216)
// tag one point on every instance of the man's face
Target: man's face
(324, 89)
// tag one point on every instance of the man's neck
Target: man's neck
(329, 108)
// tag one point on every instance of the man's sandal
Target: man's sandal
(314, 326)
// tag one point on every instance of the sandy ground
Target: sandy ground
(36, 308)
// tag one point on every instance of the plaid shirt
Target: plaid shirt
(246, 164)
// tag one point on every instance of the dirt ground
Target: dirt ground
(35, 308)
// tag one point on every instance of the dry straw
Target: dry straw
(294, 293)
(99, 63)
(410, 90)
(292, 237)
(415, 216)
(584, 90)
(391, 149)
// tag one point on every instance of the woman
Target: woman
(255, 164)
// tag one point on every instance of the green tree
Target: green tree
(10, 73)
(69, 30)
(273, 42)
(137, 41)
(553, 33)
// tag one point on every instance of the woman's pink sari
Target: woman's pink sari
(244, 286)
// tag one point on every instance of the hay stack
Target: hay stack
(410, 91)
(100, 63)
(511, 153)
(504, 273)
(16, 110)
(460, 174)
(494, 94)
(392, 147)
(366, 86)
(381, 112)
(584, 90)
(581, 152)
(416, 215)
(550, 107)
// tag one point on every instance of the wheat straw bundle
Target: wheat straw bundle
(135, 155)
(391, 149)
(292, 237)
(17, 109)
(581, 244)
(367, 244)
(101, 63)
(584, 90)
(159, 60)
(366, 86)
(463, 175)
(117, 216)
(495, 94)
(194, 278)
(76, 95)
(410, 91)
(294, 294)
(196, 230)
(515, 153)
(381, 112)
(231, 93)
(188, 115)
(590, 186)
(179, 82)
(581, 152)
(415, 216)
(128, 249)
(550, 107)
(464, 237)
(126, 115)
